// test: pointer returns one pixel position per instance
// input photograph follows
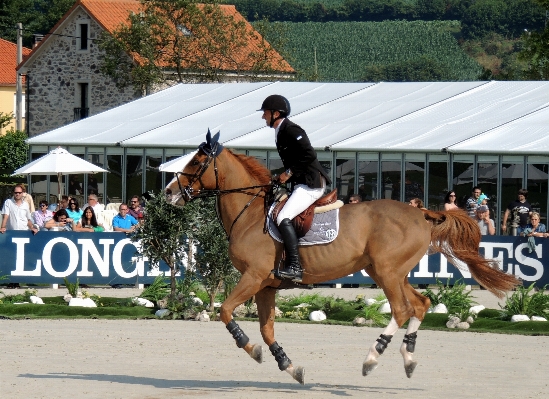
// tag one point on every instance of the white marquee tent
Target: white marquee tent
(461, 117)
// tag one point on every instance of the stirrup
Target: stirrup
(289, 273)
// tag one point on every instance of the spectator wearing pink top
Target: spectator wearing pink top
(42, 215)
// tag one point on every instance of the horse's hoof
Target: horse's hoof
(409, 368)
(257, 353)
(299, 375)
(368, 367)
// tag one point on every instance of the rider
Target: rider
(302, 170)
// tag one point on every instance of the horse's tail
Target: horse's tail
(457, 236)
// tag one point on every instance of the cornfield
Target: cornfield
(344, 49)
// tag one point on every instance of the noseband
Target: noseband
(189, 194)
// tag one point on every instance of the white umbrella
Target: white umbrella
(58, 162)
(177, 164)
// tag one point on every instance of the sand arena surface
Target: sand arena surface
(160, 359)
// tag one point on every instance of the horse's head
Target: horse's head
(199, 173)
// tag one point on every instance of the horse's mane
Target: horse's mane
(254, 167)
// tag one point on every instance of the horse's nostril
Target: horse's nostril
(168, 191)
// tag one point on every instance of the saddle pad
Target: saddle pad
(324, 229)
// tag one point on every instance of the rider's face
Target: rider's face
(267, 116)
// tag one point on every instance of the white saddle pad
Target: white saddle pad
(324, 229)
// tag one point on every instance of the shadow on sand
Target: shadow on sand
(222, 386)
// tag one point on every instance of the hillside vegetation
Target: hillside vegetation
(369, 51)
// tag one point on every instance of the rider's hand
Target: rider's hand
(283, 178)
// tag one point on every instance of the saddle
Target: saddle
(302, 222)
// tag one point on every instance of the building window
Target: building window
(82, 35)
(81, 110)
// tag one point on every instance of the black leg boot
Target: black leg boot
(292, 268)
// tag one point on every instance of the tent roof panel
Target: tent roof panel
(473, 117)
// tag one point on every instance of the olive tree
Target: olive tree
(164, 234)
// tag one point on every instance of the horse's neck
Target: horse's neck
(235, 176)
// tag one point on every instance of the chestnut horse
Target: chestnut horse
(385, 238)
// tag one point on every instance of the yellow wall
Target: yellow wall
(7, 105)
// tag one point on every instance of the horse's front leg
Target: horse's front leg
(265, 300)
(247, 287)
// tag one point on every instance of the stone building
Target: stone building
(63, 74)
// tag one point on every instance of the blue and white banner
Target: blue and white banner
(112, 258)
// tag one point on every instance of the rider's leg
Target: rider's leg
(302, 197)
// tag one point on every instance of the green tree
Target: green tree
(163, 235)
(37, 16)
(179, 41)
(213, 265)
(5, 119)
(535, 51)
(14, 151)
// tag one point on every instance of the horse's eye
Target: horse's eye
(195, 162)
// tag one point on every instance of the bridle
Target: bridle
(189, 194)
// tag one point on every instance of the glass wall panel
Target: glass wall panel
(487, 180)
(75, 183)
(391, 168)
(512, 180)
(325, 159)
(368, 164)
(538, 175)
(462, 178)
(438, 181)
(95, 182)
(114, 178)
(275, 163)
(153, 177)
(134, 172)
(415, 177)
(345, 176)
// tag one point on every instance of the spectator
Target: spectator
(472, 202)
(534, 228)
(124, 222)
(60, 222)
(74, 211)
(521, 207)
(64, 203)
(28, 198)
(75, 187)
(483, 199)
(450, 201)
(486, 225)
(94, 203)
(16, 213)
(88, 222)
(93, 187)
(135, 209)
(43, 215)
(417, 203)
(355, 199)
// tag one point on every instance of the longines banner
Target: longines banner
(112, 258)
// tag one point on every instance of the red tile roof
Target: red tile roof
(111, 13)
(8, 62)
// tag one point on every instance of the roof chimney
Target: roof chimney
(37, 39)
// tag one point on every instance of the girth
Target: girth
(302, 222)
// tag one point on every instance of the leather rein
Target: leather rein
(189, 194)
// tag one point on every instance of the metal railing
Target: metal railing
(80, 113)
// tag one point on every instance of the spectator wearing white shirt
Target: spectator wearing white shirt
(17, 213)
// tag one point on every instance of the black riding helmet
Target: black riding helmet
(276, 102)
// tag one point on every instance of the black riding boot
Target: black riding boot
(292, 268)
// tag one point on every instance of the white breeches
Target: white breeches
(302, 197)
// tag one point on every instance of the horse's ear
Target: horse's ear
(209, 137)
(215, 138)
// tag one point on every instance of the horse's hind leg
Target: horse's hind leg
(244, 290)
(421, 304)
(265, 300)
